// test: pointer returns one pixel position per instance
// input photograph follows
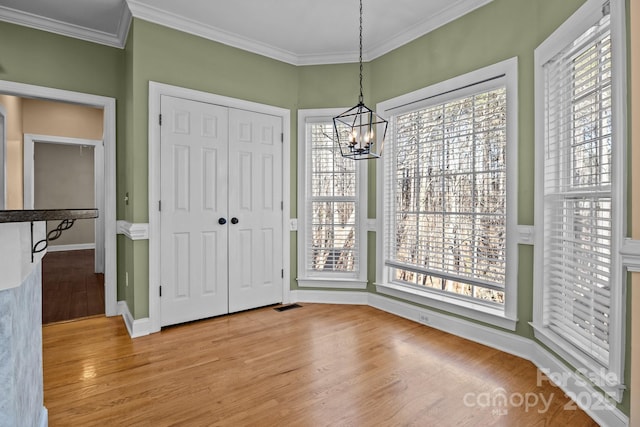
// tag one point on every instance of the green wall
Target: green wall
(172, 57)
(500, 30)
(45, 59)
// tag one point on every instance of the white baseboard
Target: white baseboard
(329, 297)
(495, 338)
(135, 327)
(76, 247)
(44, 418)
(585, 395)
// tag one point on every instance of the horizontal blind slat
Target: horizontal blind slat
(577, 192)
(446, 185)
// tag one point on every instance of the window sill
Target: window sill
(317, 282)
(460, 307)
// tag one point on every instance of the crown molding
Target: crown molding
(190, 26)
(70, 30)
(157, 16)
(123, 27)
(456, 10)
(332, 58)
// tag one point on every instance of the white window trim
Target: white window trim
(570, 30)
(3, 155)
(428, 96)
(335, 280)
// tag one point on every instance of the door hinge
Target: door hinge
(160, 119)
(282, 273)
(160, 290)
(282, 137)
(281, 206)
(160, 205)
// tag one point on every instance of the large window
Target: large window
(578, 275)
(330, 209)
(446, 210)
(448, 188)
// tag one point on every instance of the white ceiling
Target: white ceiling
(299, 32)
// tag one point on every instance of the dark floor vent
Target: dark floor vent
(287, 307)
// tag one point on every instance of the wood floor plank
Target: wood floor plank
(312, 366)
(70, 287)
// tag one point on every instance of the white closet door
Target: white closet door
(255, 211)
(194, 171)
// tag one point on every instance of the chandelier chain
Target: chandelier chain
(358, 130)
(361, 97)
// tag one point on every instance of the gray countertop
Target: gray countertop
(32, 215)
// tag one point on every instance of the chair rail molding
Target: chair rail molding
(137, 231)
(630, 252)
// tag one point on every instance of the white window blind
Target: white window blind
(578, 193)
(446, 196)
(332, 207)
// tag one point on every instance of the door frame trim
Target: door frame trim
(156, 91)
(3, 156)
(28, 171)
(108, 106)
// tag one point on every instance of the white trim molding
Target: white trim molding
(135, 327)
(318, 282)
(74, 247)
(3, 154)
(115, 39)
(630, 252)
(526, 234)
(466, 308)
(138, 231)
(455, 10)
(156, 15)
(330, 297)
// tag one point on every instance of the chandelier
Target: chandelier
(357, 129)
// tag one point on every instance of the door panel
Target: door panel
(217, 163)
(255, 196)
(194, 169)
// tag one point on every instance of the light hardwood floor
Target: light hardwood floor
(318, 365)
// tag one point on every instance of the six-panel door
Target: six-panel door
(221, 215)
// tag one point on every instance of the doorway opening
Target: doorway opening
(61, 172)
(102, 255)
